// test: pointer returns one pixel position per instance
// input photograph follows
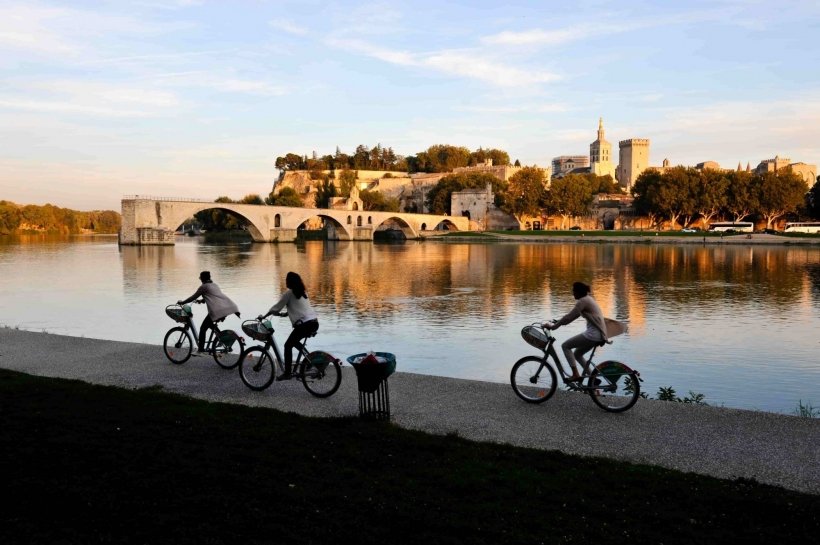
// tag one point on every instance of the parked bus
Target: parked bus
(739, 226)
(802, 227)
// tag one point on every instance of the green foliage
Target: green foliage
(569, 196)
(525, 192)
(517, 163)
(325, 191)
(376, 201)
(806, 411)
(347, 179)
(10, 217)
(669, 394)
(779, 193)
(813, 201)
(53, 219)
(252, 199)
(439, 197)
(286, 197)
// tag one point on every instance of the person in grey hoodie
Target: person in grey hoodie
(219, 306)
(595, 334)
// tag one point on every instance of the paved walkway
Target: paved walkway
(728, 443)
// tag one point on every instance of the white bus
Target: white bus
(739, 226)
(802, 227)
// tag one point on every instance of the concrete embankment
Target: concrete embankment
(728, 443)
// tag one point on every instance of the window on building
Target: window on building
(277, 220)
(349, 220)
(359, 221)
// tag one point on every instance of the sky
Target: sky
(189, 98)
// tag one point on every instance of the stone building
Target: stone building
(565, 164)
(633, 158)
(479, 206)
(600, 154)
(502, 172)
(806, 171)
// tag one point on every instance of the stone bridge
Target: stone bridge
(153, 220)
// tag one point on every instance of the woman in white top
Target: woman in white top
(301, 314)
(595, 334)
(219, 305)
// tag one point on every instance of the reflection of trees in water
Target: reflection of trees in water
(450, 281)
(813, 274)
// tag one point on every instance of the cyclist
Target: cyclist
(219, 306)
(301, 314)
(596, 332)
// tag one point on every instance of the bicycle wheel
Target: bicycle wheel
(177, 345)
(322, 380)
(227, 357)
(256, 368)
(533, 380)
(619, 387)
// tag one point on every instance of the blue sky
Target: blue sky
(197, 98)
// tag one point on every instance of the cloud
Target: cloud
(458, 63)
(288, 26)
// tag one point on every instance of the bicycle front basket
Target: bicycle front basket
(535, 336)
(261, 331)
(178, 313)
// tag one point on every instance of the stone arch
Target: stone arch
(336, 230)
(445, 225)
(174, 216)
(396, 222)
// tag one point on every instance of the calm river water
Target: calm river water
(738, 324)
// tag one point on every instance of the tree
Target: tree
(291, 161)
(741, 197)
(569, 196)
(10, 217)
(252, 199)
(712, 195)
(376, 201)
(325, 191)
(779, 193)
(517, 163)
(287, 197)
(678, 194)
(347, 179)
(646, 190)
(813, 200)
(525, 192)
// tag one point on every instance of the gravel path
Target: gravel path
(728, 443)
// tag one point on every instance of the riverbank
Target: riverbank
(770, 448)
(620, 237)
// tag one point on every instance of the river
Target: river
(739, 324)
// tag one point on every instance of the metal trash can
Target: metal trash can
(372, 370)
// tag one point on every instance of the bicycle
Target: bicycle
(179, 341)
(612, 385)
(320, 372)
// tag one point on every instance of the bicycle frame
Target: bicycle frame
(549, 351)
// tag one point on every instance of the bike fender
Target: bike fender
(612, 366)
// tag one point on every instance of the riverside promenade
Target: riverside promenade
(727, 443)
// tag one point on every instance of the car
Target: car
(574, 228)
(690, 230)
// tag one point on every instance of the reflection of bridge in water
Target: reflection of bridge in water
(153, 220)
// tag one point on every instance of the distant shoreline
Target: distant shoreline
(586, 238)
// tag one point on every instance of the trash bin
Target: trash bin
(372, 370)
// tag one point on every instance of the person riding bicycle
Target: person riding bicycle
(302, 316)
(595, 334)
(219, 305)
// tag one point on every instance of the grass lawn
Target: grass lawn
(92, 464)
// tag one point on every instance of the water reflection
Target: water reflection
(697, 314)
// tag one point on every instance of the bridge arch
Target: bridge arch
(336, 229)
(178, 216)
(391, 221)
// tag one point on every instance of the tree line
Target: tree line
(437, 158)
(527, 193)
(15, 218)
(684, 195)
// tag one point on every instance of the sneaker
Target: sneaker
(284, 376)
